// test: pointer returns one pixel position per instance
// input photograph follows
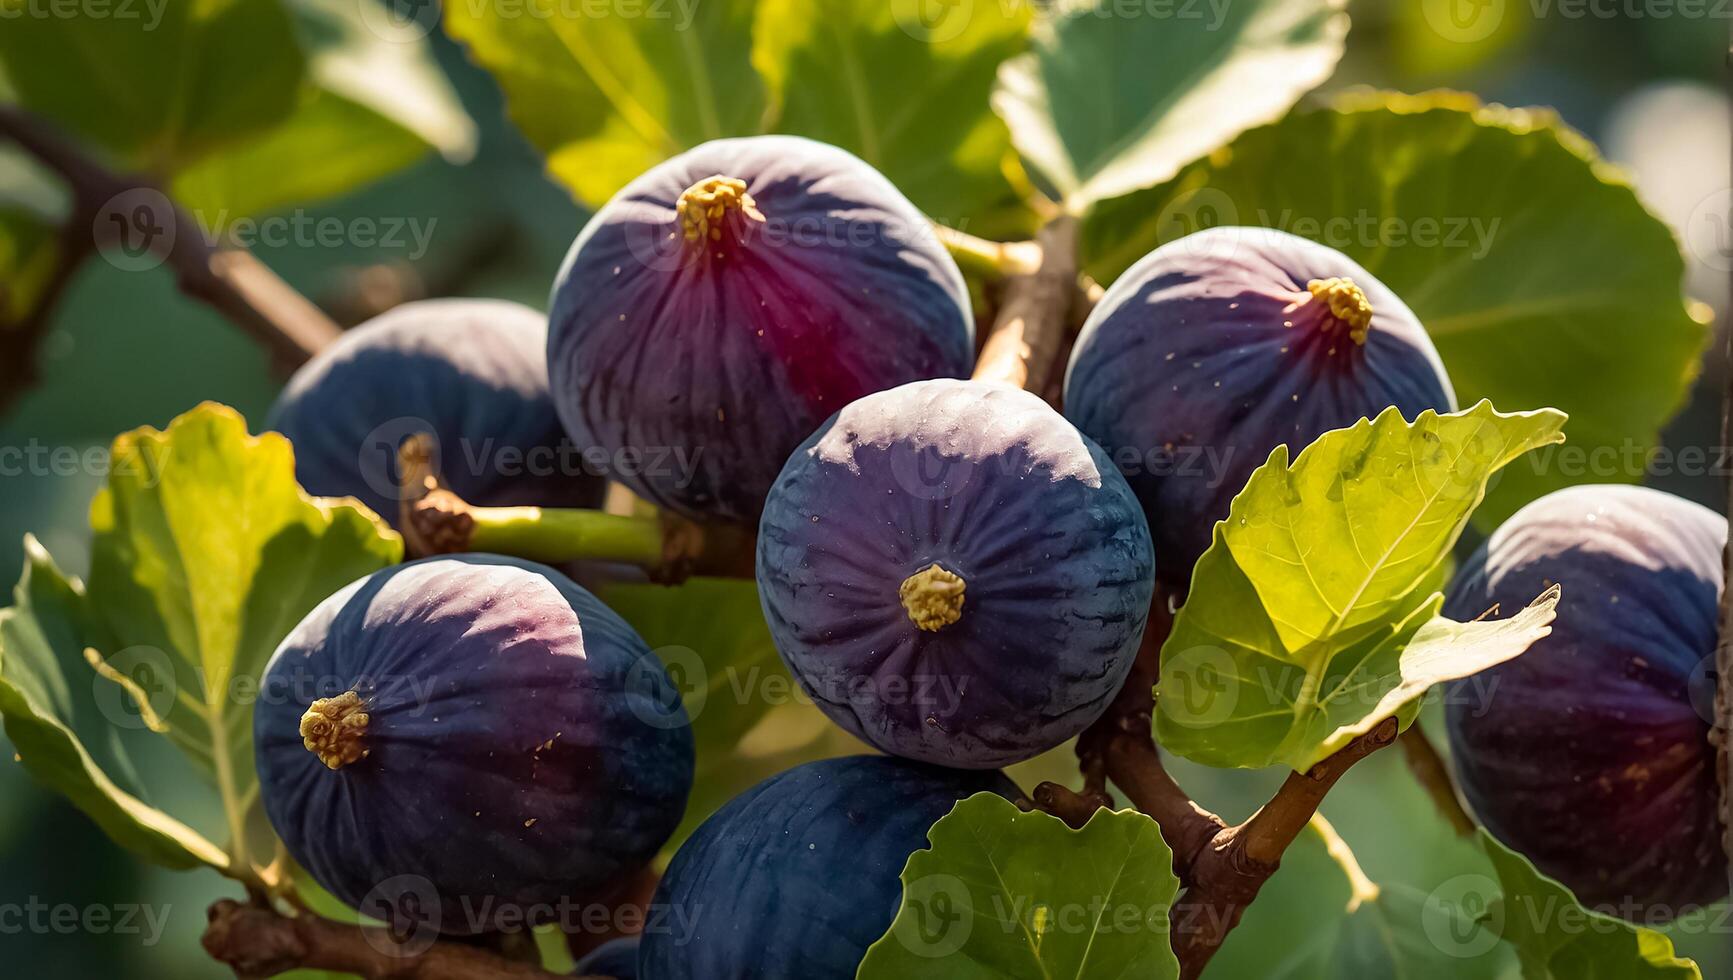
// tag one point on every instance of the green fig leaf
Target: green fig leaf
(1505, 233)
(866, 75)
(609, 95)
(1005, 893)
(377, 102)
(206, 553)
(1556, 938)
(1311, 617)
(164, 84)
(64, 721)
(1110, 102)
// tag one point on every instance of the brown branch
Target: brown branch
(257, 942)
(1433, 774)
(19, 341)
(1221, 868)
(1029, 334)
(1226, 876)
(108, 207)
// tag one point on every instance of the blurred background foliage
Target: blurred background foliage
(126, 349)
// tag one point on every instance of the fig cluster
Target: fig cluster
(958, 574)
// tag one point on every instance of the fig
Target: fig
(1216, 348)
(797, 876)
(727, 301)
(464, 741)
(617, 958)
(470, 373)
(1590, 753)
(954, 573)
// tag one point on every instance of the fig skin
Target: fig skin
(797, 876)
(1590, 753)
(617, 958)
(1025, 517)
(473, 373)
(521, 745)
(716, 356)
(1189, 374)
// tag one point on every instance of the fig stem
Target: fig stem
(1027, 341)
(987, 259)
(554, 535)
(436, 521)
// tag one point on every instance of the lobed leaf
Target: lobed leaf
(1537, 271)
(205, 554)
(1312, 617)
(1111, 101)
(903, 85)
(613, 92)
(63, 728)
(163, 85)
(1005, 893)
(375, 103)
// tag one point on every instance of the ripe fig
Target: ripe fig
(617, 958)
(1216, 348)
(472, 373)
(797, 876)
(955, 573)
(726, 302)
(461, 742)
(1590, 753)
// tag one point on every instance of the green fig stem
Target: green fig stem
(555, 535)
(436, 521)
